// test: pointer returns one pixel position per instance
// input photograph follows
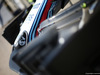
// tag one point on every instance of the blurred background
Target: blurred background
(9, 9)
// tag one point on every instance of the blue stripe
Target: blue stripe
(33, 25)
(34, 31)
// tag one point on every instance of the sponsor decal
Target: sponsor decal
(36, 6)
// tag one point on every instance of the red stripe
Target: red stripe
(45, 13)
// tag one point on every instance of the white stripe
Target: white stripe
(31, 16)
(26, 26)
